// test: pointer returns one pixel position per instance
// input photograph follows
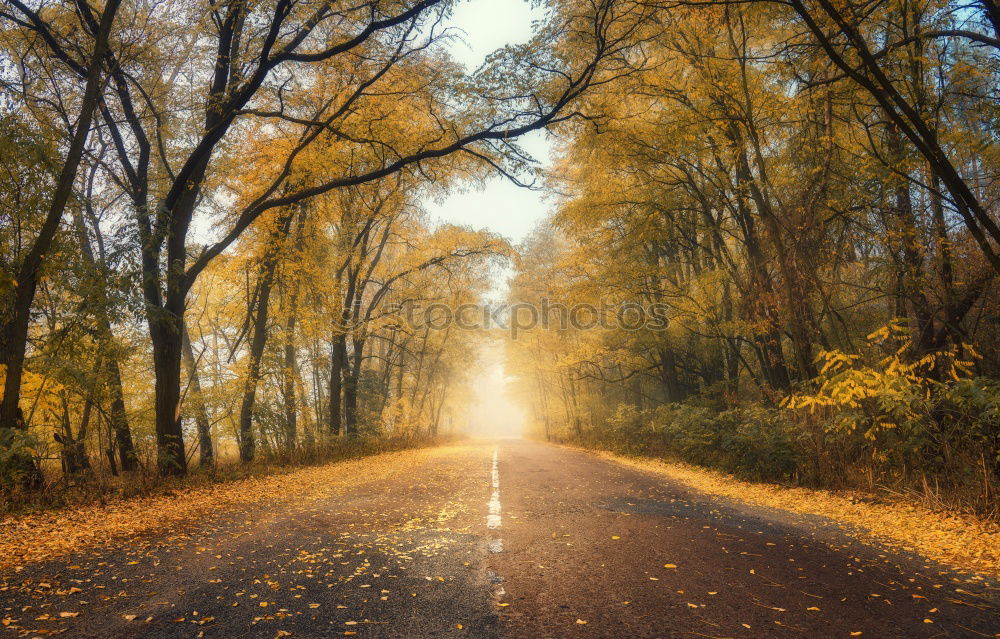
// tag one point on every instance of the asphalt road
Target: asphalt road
(542, 542)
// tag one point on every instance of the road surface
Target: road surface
(489, 540)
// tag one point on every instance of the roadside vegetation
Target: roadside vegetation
(810, 192)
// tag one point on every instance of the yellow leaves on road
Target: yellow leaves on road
(48, 535)
(669, 565)
(581, 622)
(959, 540)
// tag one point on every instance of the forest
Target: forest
(212, 227)
(810, 188)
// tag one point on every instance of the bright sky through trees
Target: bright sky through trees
(498, 205)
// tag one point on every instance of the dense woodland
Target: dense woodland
(812, 189)
(211, 229)
(211, 220)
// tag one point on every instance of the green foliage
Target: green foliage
(17, 449)
(752, 442)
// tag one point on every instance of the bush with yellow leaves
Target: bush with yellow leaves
(888, 419)
(901, 413)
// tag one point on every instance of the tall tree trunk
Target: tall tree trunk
(668, 376)
(338, 358)
(259, 339)
(17, 310)
(291, 366)
(289, 373)
(338, 347)
(205, 447)
(436, 423)
(351, 388)
(166, 328)
(118, 418)
(543, 404)
(732, 350)
(74, 451)
(762, 290)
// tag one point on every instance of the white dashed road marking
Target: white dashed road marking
(495, 545)
(493, 518)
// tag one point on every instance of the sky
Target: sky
(498, 205)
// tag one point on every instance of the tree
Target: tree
(16, 304)
(166, 162)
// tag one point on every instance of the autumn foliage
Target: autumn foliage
(774, 174)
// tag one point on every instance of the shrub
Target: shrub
(755, 442)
